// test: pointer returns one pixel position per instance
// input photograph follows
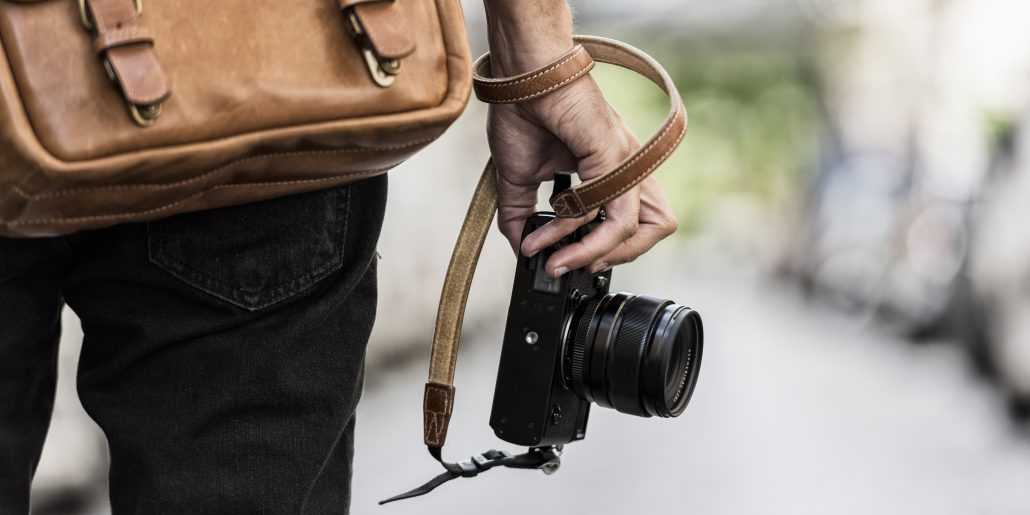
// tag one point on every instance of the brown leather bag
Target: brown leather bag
(118, 111)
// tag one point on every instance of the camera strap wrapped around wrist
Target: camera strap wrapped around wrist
(570, 203)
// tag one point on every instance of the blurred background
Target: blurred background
(854, 204)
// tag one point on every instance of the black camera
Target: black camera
(569, 342)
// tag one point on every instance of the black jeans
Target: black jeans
(223, 353)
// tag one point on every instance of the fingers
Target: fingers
(621, 223)
(609, 142)
(657, 222)
(552, 232)
(574, 128)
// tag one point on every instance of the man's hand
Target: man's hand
(573, 128)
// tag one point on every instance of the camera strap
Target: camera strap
(581, 200)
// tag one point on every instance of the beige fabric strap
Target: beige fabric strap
(439, 393)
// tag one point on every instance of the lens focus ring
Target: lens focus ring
(631, 337)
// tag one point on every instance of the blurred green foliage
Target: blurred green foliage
(753, 122)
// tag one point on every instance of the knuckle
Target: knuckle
(667, 225)
(620, 258)
(628, 228)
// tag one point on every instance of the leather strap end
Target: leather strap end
(567, 205)
(140, 75)
(574, 64)
(385, 25)
(437, 407)
(128, 47)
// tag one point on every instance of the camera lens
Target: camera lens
(637, 354)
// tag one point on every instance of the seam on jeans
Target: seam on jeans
(279, 292)
(325, 462)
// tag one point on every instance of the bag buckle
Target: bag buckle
(383, 71)
(142, 115)
(87, 18)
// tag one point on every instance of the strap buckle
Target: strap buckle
(545, 459)
(143, 115)
(481, 463)
(383, 71)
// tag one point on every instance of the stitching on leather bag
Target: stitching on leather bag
(504, 83)
(220, 169)
(449, 97)
(43, 221)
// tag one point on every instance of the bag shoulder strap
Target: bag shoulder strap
(439, 392)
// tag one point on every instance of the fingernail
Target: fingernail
(560, 271)
(600, 267)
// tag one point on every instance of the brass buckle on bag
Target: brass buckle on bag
(142, 115)
(87, 19)
(383, 71)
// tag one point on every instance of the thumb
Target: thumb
(515, 204)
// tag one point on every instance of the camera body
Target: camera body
(569, 343)
(533, 405)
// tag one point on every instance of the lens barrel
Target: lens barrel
(637, 354)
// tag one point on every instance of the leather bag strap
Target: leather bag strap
(127, 46)
(385, 25)
(439, 392)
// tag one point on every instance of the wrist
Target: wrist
(525, 35)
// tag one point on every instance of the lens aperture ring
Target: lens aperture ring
(579, 349)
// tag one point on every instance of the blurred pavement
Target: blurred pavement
(798, 410)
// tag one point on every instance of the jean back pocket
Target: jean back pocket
(255, 255)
